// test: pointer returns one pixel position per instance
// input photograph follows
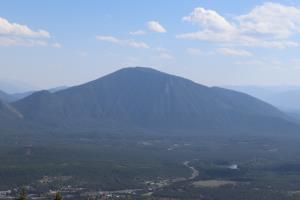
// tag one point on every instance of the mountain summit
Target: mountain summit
(153, 100)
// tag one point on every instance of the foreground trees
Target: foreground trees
(58, 196)
(23, 195)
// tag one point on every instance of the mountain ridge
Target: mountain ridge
(150, 99)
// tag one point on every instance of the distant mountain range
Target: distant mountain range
(146, 99)
(14, 86)
(286, 98)
(5, 97)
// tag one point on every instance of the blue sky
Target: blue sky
(211, 42)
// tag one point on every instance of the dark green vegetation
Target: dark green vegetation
(267, 168)
(143, 131)
(58, 196)
(23, 195)
(107, 162)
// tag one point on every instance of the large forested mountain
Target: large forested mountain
(152, 100)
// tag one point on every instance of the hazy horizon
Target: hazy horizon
(15, 86)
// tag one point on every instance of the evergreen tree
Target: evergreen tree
(58, 196)
(23, 195)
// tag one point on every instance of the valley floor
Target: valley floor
(150, 167)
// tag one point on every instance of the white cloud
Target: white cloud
(123, 42)
(136, 44)
(138, 32)
(271, 19)
(269, 25)
(108, 38)
(155, 26)
(14, 29)
(15, 41)
(208, 19)
(56, 45)
(234, 52)
(13, 34)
